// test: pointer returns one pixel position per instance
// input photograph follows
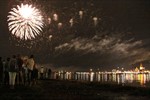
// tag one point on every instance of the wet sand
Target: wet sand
(74, 90)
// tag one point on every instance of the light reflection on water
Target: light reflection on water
(120, 78)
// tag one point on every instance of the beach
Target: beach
(71, 90)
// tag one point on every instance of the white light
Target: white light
(59, 25)
(49, 20)
(71, 22)
(55, 17)
(81, 14)
(26, 11)
(95, 19)
(25, 21)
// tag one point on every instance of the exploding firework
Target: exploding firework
(25, 21)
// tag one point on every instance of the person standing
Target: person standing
(20, 73)
(25, 71)
(30, 66)
(49, 73)
(12, 71)
(6, 71)
(42, 72)
(1, 71)
(35, 75)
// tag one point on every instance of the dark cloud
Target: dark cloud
(112, 49)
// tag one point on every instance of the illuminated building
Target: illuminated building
(142, 68)
(136, 69)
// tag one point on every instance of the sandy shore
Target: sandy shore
(73, 90)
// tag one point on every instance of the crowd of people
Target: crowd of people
(18, 70)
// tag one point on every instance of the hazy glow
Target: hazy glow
(26, 11)
(71, 22)
(59, 25)
(50, 37)
(25, 21)
(55, 17)
(95, 19)
(49, 20)
(81, 14)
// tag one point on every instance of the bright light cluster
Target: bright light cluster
(25, 21)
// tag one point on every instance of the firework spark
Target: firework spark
(55, 17)
(81, 14)
(95, 19)
(59, 25)
(71, 22)
(25, 21)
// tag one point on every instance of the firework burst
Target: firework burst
(25, 21)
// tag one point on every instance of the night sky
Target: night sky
(120, 38)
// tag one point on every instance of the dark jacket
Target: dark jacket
(13, 65)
